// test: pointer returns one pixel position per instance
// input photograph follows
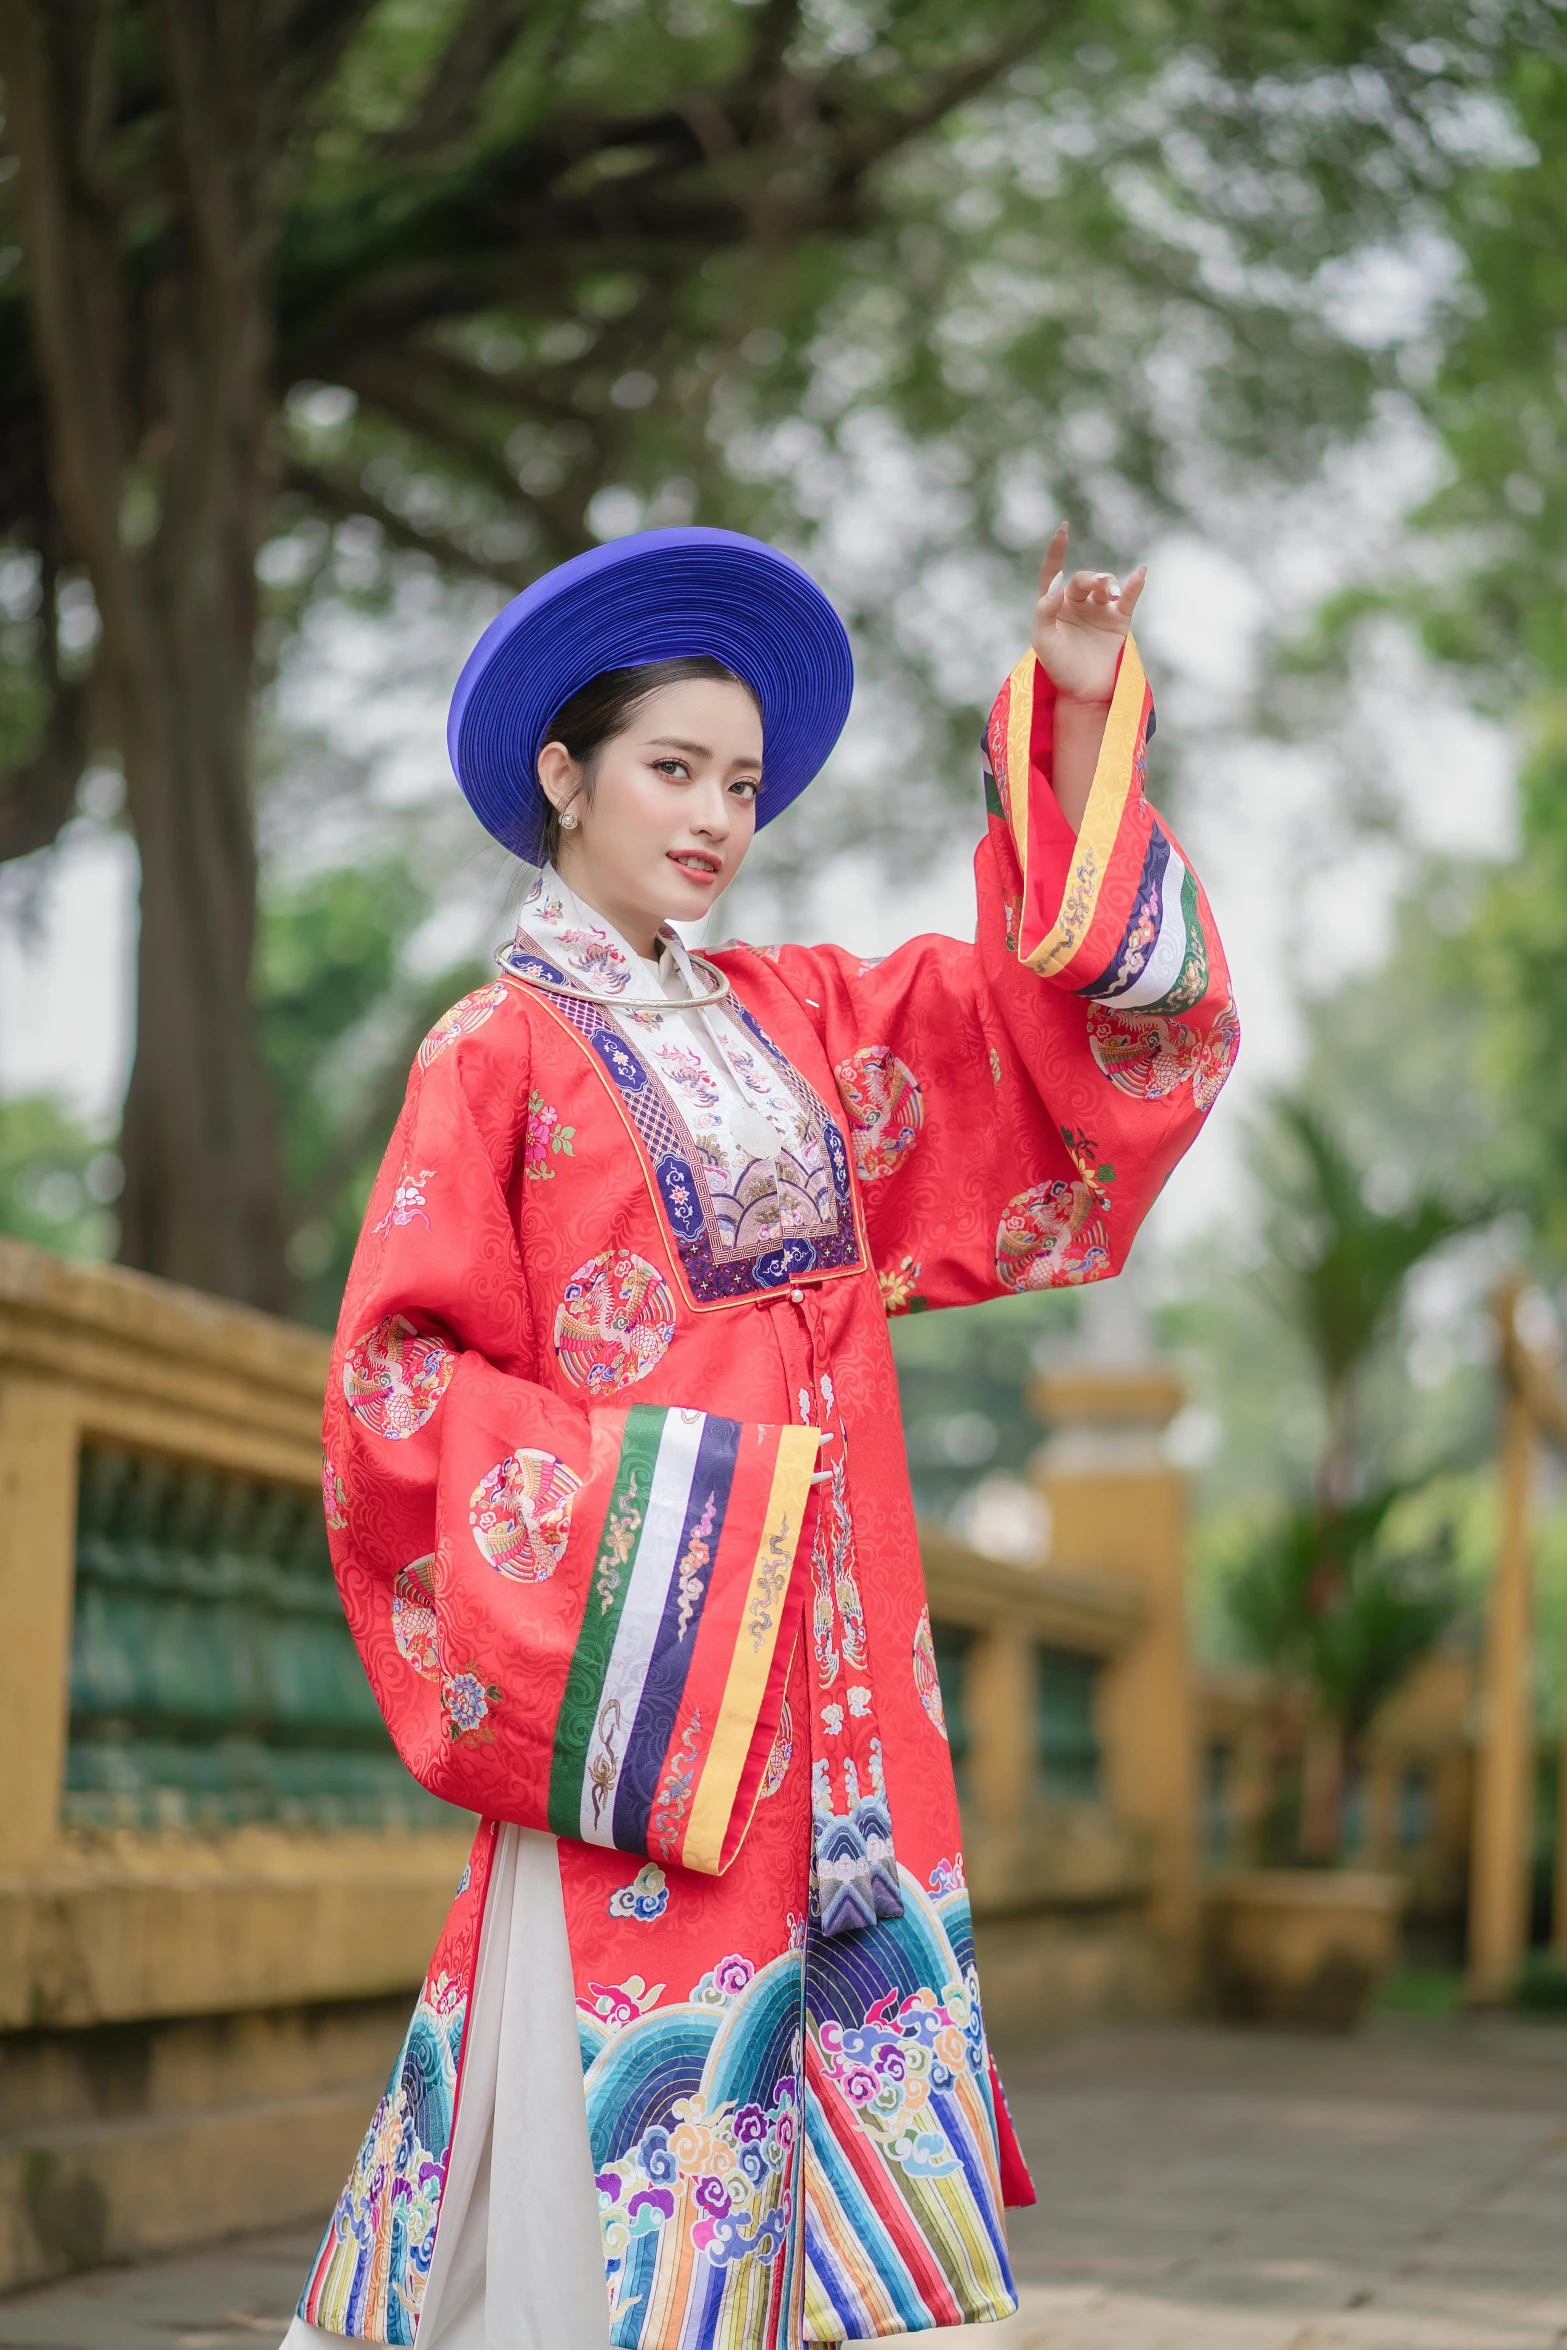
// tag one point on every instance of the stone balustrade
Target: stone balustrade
(219, 1886)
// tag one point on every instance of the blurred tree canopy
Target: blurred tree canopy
(1490, 597)
(478, 280)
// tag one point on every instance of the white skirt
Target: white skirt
(519, 2259)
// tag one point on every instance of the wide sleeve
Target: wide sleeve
(570, 1617)
(1016, 1105)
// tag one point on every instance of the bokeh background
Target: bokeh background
(316, 346)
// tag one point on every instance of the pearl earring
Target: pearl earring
(568, 822)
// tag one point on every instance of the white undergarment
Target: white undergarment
(519, 2260)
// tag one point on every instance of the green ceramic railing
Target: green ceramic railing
(1068, 1740)
(213, 1679)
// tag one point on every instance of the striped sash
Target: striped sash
(679, 1634)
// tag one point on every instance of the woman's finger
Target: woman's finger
(1133, 589)
(1055, 558)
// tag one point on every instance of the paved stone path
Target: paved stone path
(1199, 2190)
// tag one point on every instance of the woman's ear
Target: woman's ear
(560, 777)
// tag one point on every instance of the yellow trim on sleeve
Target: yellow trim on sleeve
(1096, 835)
(755, 1642)
(1020, 728)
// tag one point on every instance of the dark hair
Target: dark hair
(606, 706)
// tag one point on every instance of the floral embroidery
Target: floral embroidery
(1052, 1236)
(832, 1719)
(594, 957)
(393, 1378)
(743, 1221)
(618, 2004)
(615, 1322)
(723, 1982)
(885, 1106)
(520, 1515)
(908, 2051)
(1148, 1054)
(674, 1796)
(781, 1754)
(604, 1762)
(645, 1898)
(897, 1287)
(334, 1496)
(947, 1877)
(859, 1699)
(693, 1565)
(462, 1020)
(545, 1136)
(726, 2168)
(414, 1626)
(995, 1066)
(927, 1681)
(690, 1073)
(619, 1541)
(770, 1582)
(466, 1701)
(408, 1202)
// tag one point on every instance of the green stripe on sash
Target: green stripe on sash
(601, 1618)
(1191, 984)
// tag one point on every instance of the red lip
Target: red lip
(702, 873)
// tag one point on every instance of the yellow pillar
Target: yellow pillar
(1499, 1860)
(1118, 1506)
(38, 1448)
(998, 1699)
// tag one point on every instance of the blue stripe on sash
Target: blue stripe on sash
(1147, 905)
(665, 1681)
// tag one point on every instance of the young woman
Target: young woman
(616, 1479)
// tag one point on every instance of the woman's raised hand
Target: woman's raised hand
(1080, 623)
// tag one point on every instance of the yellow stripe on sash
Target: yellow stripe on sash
(1020, 729)
(753, 1653)
(1096, 835)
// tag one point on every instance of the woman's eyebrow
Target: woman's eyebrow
(675, 742)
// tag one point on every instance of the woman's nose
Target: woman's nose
(711, 813)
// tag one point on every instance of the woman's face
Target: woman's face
(673, 808)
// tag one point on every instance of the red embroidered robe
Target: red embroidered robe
(570, 1432)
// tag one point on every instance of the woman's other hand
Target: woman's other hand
(1080, 625)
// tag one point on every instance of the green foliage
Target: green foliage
(340, 1015)
(1493, 602)
(1324, 1596)
(57, 1179)
(1340, 1261)
(1327, 1593)
(963, 1380)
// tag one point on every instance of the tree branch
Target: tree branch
(480, 44)
(343, 500)
(36, 798)
(867, 142)
(369, 1124)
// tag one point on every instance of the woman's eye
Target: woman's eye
(670, 767)
(747, 785)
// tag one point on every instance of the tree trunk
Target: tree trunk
(202, 1199)
(1322, 1791)
(202, 1193)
